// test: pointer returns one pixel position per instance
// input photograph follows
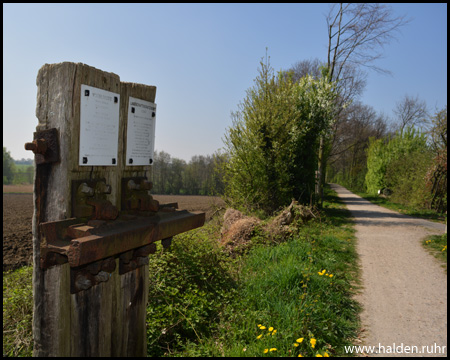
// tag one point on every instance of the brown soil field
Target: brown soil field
(18, 213)
(18, 189)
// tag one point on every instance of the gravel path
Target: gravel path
(404, 295)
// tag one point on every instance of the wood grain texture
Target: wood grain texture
(96, 321)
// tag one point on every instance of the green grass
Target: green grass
(17, 312)
(437, 245)
(215, 311)
(22, 167)
(203, 302)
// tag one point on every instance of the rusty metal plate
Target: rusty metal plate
(45, 146)
(113, 237)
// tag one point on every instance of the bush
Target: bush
(399, 164)
(189, 284)
(273, 142)
(406, 178)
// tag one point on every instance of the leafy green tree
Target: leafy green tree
(436, 177)
(8, 167)
(347, 164)
(273, 142)
(398, 163)
(376, 165)
(357, 34)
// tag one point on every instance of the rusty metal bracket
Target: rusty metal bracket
(135, 196)
(135, 258)
(87, 276)
(131, 238)
(98, 235)
(45, 146)
(89, 200)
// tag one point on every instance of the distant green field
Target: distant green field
(22, 167)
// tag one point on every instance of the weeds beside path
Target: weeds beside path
(282, 297)
(404, 295)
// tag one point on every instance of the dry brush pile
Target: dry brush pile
(238, 230)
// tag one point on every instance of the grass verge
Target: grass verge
(17, 312)
(437, 245)
(280, 299)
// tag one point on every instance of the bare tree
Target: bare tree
(410, 111)
(351, 139)
(306, 67)
(351, 84)
(357, 34)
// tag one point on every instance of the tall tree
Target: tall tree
(348, 157)
(273, 140)
(8, 167)
(410, 111)
(357, 33)
(436, 177)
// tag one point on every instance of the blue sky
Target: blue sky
(202, 58)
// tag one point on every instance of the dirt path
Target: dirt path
(404, 292)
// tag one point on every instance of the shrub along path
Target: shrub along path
(404, 295)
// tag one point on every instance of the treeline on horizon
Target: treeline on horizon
(202, 175)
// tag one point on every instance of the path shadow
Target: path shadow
(377, 218)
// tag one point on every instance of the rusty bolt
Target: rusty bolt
(145, 250)
(94, 267)
(85, 189)
(109, 264)
(82, 282)
(104, 210)
(102, 188)
(146, 185)
(126, 257)
(132, 185)
(102, 276)
(38, 146)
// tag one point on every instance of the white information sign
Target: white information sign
(99, 127)
(140, 132)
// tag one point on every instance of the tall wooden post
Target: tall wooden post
(105, 314)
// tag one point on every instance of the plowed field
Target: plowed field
(18, 213)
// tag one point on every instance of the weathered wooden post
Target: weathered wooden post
(94, 222)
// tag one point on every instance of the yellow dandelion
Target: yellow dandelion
(331, 275)
(273, 349)
(299, 340)
(295, 344)
(259, 325)
(259, 336)
(318, 355)
(300, 355)
(273, 333)
(313, 342)
(266, 351)
(326, 354)
(262, 327)
(271, 328)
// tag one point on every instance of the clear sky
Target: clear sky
(201, 58)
